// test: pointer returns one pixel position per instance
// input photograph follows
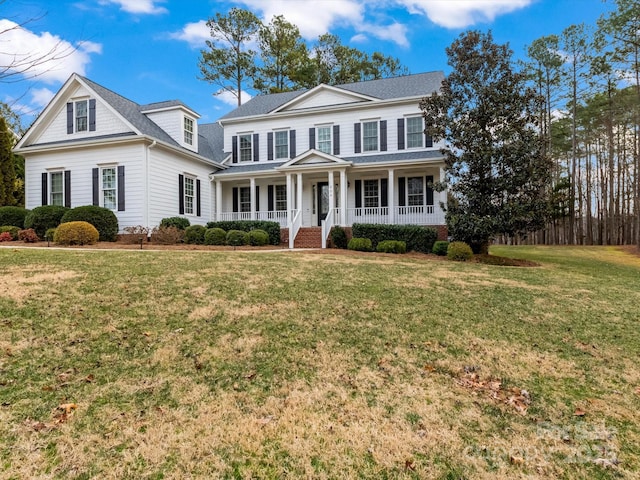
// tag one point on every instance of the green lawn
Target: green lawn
(140, 364)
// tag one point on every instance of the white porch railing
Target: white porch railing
(327, 223)
(413, 215)
(296, 222)
(279, 216)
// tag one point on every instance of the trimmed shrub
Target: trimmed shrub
(13, 216)
(11, 230)
(28, 235)
(391, 246)
(102, 218)
(167, 235)
(360, 244)
(440, 248)
(459, 252)
(76, 233)
(215, 236)
(194, 234)
(236, 237)
(44, 217)
(417, 238)
(272, 228)
(49, 234)
(257, 238)
(338, 237)
(180, 223)
(135, 234)
(6, 237)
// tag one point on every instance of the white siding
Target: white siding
(172, 122)
(324, 98)
(345, 119)
(80, 163)
(107, 123)
(164, 168)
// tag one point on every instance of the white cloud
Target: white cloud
(462, 13)
(195, 34)
(396, 32)
(43, 55)
(40, 97)
(229, 98)
(138, 6)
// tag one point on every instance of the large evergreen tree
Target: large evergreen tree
(497, 171)
(7, 170)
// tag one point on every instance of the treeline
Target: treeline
(589, 79)
(245, 54)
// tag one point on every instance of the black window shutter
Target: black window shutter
(198, 201)
(257, 198)
(312, 138)
(235, 199)
(401, 184)
(67, 188)
(234, 149)
(96, 186)
(45, 193)
(401, 134)
(358, 193)
(121, 188)
(256, 147)
(336, 139)
(429, 190)
(356, 138)
(92, 115)
(428, 140)
(292, 144)
(384, 192)
(270, 198)
(383, 135)
(270, 146)
(181, 194)
(69, 117)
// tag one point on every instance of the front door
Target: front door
(323, 201)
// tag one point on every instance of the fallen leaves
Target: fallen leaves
(517, 398)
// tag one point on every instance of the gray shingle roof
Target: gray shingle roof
(250, 168)
(395, 157)
(420, 84)
(211, 141)
(165, 104)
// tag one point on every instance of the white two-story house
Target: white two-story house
(310, 160)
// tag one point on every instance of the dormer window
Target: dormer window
(188, 131)
(81, 116)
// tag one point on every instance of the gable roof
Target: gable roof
(416, 85)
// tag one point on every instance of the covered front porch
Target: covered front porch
(325, 192)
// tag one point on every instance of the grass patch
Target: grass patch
(142, 364)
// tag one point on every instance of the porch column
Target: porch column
(299, 195)
(252, 190)
(332, 200)
(218, 199)
(391, 193)
(343, 197)
(442, 195)
(289, 200)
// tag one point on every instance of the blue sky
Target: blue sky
(147, 50)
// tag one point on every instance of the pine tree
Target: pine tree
(7, 170)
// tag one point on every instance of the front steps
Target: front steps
(308, 237)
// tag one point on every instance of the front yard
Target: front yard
(200, 364)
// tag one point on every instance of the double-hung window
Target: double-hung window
(370, 136)
(245, 148)
(56, 196)
(81, 115)
(245, 199)
(371, 195)
(282, 144)
(415, 132)
(324, 139)
(189, 195)
(281, 197)
(109, 187)
(415, 191)
(188, 131)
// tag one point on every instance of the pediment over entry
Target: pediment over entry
(314, 159)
